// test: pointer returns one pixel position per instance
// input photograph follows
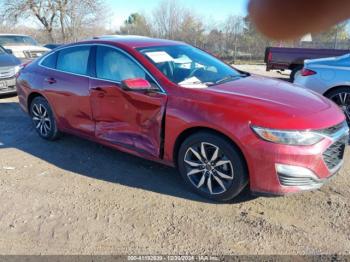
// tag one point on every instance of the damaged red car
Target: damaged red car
(170, 102)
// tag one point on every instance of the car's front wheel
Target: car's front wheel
(212, 166)
(43, 119)
(341, 96)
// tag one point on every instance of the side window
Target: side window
(116, 66)
(74, 60)
(50, 61)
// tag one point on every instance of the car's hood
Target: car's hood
(29, 52)
(16, 48)
(272, 103)
(8, 60)
(275, 93)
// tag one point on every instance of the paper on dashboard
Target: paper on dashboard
(192, 82)
(160, 57)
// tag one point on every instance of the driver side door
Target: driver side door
(129, 119)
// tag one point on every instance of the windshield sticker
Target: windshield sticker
(160, 57)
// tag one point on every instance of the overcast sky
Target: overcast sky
(217, 10)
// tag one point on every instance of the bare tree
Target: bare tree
(167, 19)
(233, 29)
(191, 29)
(254, 42)
(215, 42)
(44, 11)
(71, 20)
(331, 37)
(81, 16)
(67, 16)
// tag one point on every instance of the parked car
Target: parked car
(329, 77)
(173, 103)
(22, 46)
(281, 58)
(52, 46)
(9, 67)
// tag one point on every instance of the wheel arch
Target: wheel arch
(198, 129)
(31, 98)
(335, 88)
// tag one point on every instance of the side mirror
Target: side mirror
(137, 85)
(9, 51)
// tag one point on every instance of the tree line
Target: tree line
(234, 38)
(59, 21)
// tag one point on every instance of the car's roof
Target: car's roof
(134, 41)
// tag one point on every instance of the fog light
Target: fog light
(295, 171)
(297, 176)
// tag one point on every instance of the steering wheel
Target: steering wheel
(195, 71)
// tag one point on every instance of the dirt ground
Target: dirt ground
(76, 197)
(261, 70)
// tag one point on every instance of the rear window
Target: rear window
(74, 60)
(50, 61)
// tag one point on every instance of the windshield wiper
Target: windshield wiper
(229, 77)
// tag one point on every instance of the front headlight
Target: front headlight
(297, 138)
(17, 68)
(19, 54)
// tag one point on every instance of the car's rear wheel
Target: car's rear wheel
(43, 119)
(341, 96)
(212, 166)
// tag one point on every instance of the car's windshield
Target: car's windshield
(17, 40)
(2, 50)
(190, 67)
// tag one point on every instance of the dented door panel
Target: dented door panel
(129, 119)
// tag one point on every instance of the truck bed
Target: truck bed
(280, 58)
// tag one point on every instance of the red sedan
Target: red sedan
(173, 103)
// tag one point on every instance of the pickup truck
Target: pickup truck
(281, 58)
(23, 47)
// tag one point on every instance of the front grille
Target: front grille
(33, 54)
(9, 89)
(334, 155)
(7, 72)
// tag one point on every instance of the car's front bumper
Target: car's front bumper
(7, 85)
(277, 169)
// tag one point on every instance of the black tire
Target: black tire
(341, 96)
(228, 152)
(295, 70)
(43, 119)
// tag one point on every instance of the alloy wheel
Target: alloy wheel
(208, 168)
(41, 119)
(343, 101)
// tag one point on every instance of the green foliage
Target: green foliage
(136, 24)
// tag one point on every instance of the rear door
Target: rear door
(127, 118)
(67, 87)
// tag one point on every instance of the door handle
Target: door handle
(50, 80)
(100, 90)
